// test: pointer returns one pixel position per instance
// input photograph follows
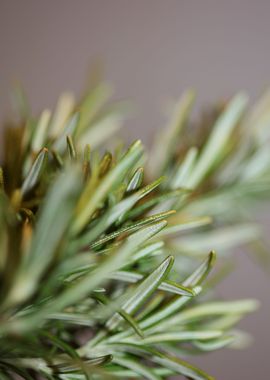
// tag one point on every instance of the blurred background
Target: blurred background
(151, 50)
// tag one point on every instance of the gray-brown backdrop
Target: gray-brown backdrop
(152, 49)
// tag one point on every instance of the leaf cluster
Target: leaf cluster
(102, 272)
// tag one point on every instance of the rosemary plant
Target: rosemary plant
(104, 269)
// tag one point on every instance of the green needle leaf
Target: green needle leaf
(138, 368)
(35, 172)
(177, 337)
(71, 147)
(136, 180)
(167, 286)
(144, 290)
(214, 344)
(128, 229)
(195, 279)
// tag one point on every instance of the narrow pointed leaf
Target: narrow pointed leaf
(195, 279)
(175, 228)
(167, 286)
(35, 172)
(138, 368)
(181, 367)
(214, 344)
(144, 290)
(177, 337)
(131, 228)
(136, 180)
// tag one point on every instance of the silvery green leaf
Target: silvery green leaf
(35, 172)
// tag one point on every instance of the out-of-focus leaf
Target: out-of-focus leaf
(69, 129)
(53, 222)
(181, 367)
(165, 145)
(214, 344)
(221, 238)
(136, 367)
(177, 336)
(184, 226)
(92, 104)
(184, 169)
(218, 139)
(61, 114)
(41, 131)
(71, 147)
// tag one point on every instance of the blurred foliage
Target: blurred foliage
(105, 255)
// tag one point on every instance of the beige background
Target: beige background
(152, 50)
